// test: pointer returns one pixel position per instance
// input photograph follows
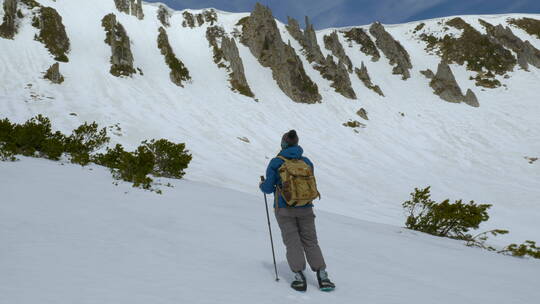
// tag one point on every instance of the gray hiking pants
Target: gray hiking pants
(299, 236)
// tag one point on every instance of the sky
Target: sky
(338, 13)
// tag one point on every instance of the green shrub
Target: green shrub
(443, 219)
(34, 138)
(528, 248)
(170, 159)
(6, 155)
(84, 140)
(160, 158)
(129, 166)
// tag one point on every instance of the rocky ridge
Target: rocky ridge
(367, 46)
(261, 35)
(363, 75)
(335, 72)
(393, 50)
(227, 56)
(179, 73)
(444, 85)
(118, 40)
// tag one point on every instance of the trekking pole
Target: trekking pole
(270, 230)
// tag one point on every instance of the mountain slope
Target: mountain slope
(412, 138)
(76, 238)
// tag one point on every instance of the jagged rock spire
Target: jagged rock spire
(261, 35)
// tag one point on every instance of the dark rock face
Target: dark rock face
(238, 78)
(428, 73)
(261, 35)
(52, 33)
(392, 49)
(8, 28)
(362, 113)
(130, 7)
(179, 72)
(331, 43)
(445, 85)
(526, 52)
(477, 51)
(225, 49)
(207, 16)
(164, 16)
(117, 38)
(53, 74)
(337, 73)
(308, 41)
(339, 76)
(470, 99)
(363, 75)
(368, 47)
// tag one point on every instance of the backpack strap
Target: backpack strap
(278, 190)
(282, 158)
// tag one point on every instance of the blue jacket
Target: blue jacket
(272, 176)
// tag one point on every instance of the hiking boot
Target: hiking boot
(324, 282)
(299, 283)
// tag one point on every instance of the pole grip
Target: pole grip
(262, 178)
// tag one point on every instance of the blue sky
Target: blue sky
(335, 13)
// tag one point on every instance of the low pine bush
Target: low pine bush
(85, 140)
(445, 219)
(170, 159)
(35, 137)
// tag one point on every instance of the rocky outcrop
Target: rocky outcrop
(428, 73)
(179, 73)
(207, 16)
(327, 67)
(164, 16)
(367, 46)
(261, 35)
(339, 76)
(53, 74)
(477, 51)
(227, 56)
(363, 75)
(331, 43)
(117, 38)
(526, 52)
(8, 28)
(392, 49)
(237, 76)
(470, 99)
(308, 41)
(445, 86)
(130, 7)
(52, 33)
(362, 113)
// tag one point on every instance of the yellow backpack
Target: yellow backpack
(299, 187)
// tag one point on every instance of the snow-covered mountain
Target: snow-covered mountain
(413, 137)
(75, 238)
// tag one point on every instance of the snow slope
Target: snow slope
(462, 152)
(69, 236)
